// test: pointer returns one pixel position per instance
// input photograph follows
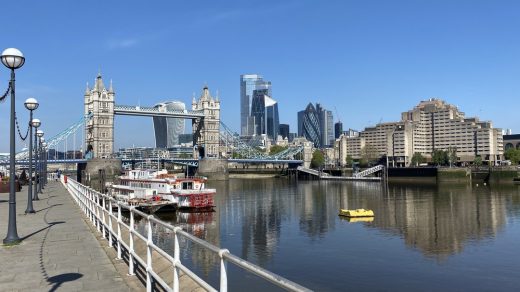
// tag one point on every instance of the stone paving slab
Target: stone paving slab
(59, 252)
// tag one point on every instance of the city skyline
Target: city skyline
(352, 56)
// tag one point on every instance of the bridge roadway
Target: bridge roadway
(59, 250)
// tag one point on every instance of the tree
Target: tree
(276, 149)
(369, 154)
(513, 155)
(318, 160)
(477, 161)
(440, 157)
(452, 155)
(417, 159)
(350, 160)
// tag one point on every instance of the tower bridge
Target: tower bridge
(211, 137)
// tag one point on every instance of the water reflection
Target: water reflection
(272, 222)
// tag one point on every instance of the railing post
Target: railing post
(176, 260)
(131, 251)
(119, 231)
(104, 218)
(110, 228)
(149, 243)
(223, 270)
(98, 217)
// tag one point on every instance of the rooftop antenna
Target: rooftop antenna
(337, 114)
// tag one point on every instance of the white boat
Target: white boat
(149, 187)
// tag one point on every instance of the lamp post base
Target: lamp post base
(30, 211)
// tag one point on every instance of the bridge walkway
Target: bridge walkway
(59, 252)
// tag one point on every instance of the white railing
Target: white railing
(99, 209)
(369, 171)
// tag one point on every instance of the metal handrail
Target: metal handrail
(98, 208)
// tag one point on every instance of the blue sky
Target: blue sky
(366, 60)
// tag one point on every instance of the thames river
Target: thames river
(423, 237)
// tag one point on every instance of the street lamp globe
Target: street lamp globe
(44, 144)
(12, 58)
(36, 123)
(39, 133)
(31, 104)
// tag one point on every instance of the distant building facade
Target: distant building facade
(511, 141)
(264, 111)
(283, 130)
(248, 84)
(309, 125)
(338, 129)
(99, 130)
(316, 124)
(167, 130)
(206, 132)
(431, 125)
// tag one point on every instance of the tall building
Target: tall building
(309, 125)
(167, 130)
(431, 125)
(99, 130)
(338, 129)
(264, 111)
(284, 131)
(325, 124)
(249, 83)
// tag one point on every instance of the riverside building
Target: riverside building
(431, 125)
(168, 130)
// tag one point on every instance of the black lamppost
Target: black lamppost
(38, 174)
(13, 59)
(44, 172)
(40, 165)
(36, 123)
(31, 104)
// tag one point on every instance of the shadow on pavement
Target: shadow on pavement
(58, 280)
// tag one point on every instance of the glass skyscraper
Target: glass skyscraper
(167, 130)
(264, 113)
(249, 83)
(309, 125)
(316, 125)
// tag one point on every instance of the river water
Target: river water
(423, 238)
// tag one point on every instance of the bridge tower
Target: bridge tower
(99, 131)
(206, 131)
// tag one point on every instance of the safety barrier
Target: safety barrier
(99, 209)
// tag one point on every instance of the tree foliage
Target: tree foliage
(276, 149)
(513, 155)
(440, 157)
(369, 154)
(318, 160)
(417, 159)
(350, 160)
(477, 161)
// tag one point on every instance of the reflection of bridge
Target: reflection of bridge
(211, 137)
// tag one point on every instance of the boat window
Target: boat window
(187, 185)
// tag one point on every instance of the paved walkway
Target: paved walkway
(58, 252)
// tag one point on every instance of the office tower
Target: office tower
(264, 113)
(309, 125)
(338, 129)
(167, 130)
(326, 126)
(284, 131)
(248, 83)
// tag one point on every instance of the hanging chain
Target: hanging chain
(18, 128)
(2, 98)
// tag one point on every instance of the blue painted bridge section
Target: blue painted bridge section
(182, 161)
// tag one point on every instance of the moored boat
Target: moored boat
(159, 187)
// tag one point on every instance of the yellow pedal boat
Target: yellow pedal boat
(356, 213)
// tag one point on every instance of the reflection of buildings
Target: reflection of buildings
(439, 221)
(318, 206)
